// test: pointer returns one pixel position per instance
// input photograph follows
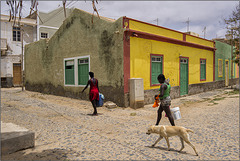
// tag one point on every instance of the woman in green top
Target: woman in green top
(165, 100)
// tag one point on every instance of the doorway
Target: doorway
(183, 76)
(17, 74)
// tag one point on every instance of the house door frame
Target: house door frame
(183, 82)
(17, 74)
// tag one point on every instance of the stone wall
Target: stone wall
(203, 87)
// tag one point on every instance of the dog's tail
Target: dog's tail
(188, 130)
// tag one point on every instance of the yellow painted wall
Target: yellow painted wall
(197, 40)
(141, 49)
(143, 27)
(134, 25)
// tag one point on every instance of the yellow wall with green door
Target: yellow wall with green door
(140, 50)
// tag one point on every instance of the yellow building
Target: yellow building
(185, 59)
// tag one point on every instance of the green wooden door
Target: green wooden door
(203, 70)
(183, 77)
(83, 70)
(156, 69)
(69, 72)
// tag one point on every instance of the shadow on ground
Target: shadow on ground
(51, 154)
(171, 150)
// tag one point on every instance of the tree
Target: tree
(233, 28)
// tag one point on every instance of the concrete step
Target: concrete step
(15, 138)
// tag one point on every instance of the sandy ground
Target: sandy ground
(64, 130)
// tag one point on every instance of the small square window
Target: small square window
(184, 61)
(83, 61)
(69, 62)
(203, 62)
(44, 35)
(156, 59)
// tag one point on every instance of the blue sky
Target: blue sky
(170, 14)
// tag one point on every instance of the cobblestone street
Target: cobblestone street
(64, 130)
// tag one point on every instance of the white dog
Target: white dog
(168, 131)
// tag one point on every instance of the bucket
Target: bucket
(176, 113)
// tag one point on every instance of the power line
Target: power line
(73, 4)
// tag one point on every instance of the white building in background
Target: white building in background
(48, 23)
(11, 47)
(35, 27)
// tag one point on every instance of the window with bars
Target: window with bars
(16, 34)
(203, 69)
(156, 68)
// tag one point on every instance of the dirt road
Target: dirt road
(64, 130)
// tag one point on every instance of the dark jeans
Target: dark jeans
(168, 113)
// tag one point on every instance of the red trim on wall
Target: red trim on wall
(184, 37)
(151, 85)
(180, 57)
(126, 55)
(166, 28)
(145, 35)
(205, 71)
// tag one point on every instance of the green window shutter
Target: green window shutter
(83, 70)
(156, 69)
(203, 70)
(69, 72)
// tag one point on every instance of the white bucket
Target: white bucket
(176, 113)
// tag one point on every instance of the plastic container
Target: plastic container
(176, 113)
(101, 100)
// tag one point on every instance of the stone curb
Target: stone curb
(15, 138)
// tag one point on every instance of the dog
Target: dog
(168, 131)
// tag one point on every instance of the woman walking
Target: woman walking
(94, 92)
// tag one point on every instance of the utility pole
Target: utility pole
(204, 31)
(22, 57)
(231, 57)
(188, 21)
(156, 20)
